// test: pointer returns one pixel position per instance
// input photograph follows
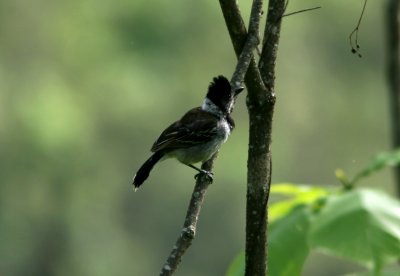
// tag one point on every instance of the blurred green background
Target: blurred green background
(86, 87)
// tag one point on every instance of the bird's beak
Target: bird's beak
(237, 90)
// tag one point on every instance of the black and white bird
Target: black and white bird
(198, 134)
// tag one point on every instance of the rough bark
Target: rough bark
(188, 231)
(393, 63)
(260, 82)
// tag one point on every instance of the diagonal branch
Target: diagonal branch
(252, 40)
(189, 227)
(238, 33)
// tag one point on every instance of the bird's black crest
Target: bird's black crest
(219, 91)
(220, 85)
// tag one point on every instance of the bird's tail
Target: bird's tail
(144, 171)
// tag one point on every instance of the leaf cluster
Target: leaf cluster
(361, 225)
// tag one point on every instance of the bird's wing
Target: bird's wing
(195, 127)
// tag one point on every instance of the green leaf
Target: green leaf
(287, 188)
(237, 266)
(287, 245)
(381, 161)
(361, 225)
(291, 189)
(287, 242)
(300, 195)
(383, 273)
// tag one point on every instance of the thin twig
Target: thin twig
(251, 43)
(355, 48)
(238, 34)
(189, 227)
(300, 11)
(286, 5)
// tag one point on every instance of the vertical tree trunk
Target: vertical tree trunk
(393, 59)
(260, 82)
(260, 105)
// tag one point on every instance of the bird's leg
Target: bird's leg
(209, 175)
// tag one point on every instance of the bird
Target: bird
(198, 134)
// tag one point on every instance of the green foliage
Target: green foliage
(381, 161)
(361, 225)
(237, 266)
(298, 194)
(289, 232)
(383, 273)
